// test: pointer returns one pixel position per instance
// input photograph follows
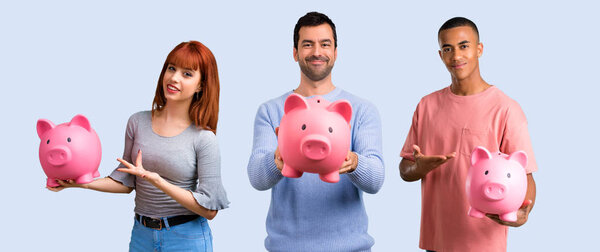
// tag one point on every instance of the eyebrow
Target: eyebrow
(310, 41)
(188, 69)
(460, 43)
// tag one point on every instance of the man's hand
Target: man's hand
(422, 164)
(429, 163)
(522, 215)
(277, 157)
(350, 163)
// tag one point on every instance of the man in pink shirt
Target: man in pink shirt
(447, 125)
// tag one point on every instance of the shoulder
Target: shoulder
(359, 104)
(511, 106)
(140, 117)
(272, 108)
(204, 138)
(434, 96)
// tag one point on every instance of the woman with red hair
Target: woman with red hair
(179, 186)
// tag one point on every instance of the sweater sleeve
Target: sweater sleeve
(367, 144)
(209, 192)
(125, 178)
(262, 171)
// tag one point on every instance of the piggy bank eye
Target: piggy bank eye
(68, 139)
(508, 175)
(303, 126)
(486, 172)
(48, 142)
(318, 101)
(330, 130)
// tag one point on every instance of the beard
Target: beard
(314, 74)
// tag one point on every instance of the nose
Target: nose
(315, 147)
(59, 155)
(494, 191)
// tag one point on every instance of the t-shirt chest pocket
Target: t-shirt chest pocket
(473, 137)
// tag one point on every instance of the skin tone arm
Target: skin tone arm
(348, 166)
(525, 209)
(423, 164)
(182, 196)
(103, 185)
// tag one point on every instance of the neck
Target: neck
(474, 84)
(309, 87)
(175, 113)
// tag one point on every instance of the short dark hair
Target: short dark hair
(313, 19)
(457, 22)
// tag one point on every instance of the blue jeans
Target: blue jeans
(190, 236)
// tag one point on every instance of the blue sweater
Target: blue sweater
(307, 214)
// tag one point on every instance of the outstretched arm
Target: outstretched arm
(103, 185)
(415, 170)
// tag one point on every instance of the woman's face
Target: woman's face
(180, 84)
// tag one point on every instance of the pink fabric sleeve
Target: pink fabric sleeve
(411, 139)
(516, 136)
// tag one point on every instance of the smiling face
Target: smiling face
(460, 50)
(180, 84)
(316, 52)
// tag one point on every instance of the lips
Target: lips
(172, 88)
(459, 65)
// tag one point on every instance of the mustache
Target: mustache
(313, 58)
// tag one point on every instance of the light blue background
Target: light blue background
(103, 59)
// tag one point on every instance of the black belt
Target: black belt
(159, 223)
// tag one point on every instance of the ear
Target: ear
(81, 121)
(343, 108)
(295, 54)
(294, 101)
(479, 49)
(480, 153)
(43, 126)
(520, 157)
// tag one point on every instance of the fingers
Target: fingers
(416, 151)
(451, 155)
(125, 163)
(526, 203)
(138, 160)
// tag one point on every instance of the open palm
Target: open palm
(138, 169)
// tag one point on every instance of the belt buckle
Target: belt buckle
(160, 223)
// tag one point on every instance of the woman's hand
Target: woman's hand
(65, 184)
(138, 169)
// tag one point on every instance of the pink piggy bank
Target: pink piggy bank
(314, 136)
(69, 151)
(496, 183)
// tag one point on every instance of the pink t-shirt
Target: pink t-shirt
(443, 123)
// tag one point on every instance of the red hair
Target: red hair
(204, 108)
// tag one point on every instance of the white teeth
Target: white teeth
(172, 88)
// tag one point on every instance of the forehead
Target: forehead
(315, 33)
(456, 35)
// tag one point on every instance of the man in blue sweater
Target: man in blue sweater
(307, 214)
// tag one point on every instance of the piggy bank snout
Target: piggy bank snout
(315, 147)
(494, 191)
(59, 155)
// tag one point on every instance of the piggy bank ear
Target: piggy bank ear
(294, 101)
(43, 126)
(520, 157)
(343, 108)
(480, 153)
(81, 121)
